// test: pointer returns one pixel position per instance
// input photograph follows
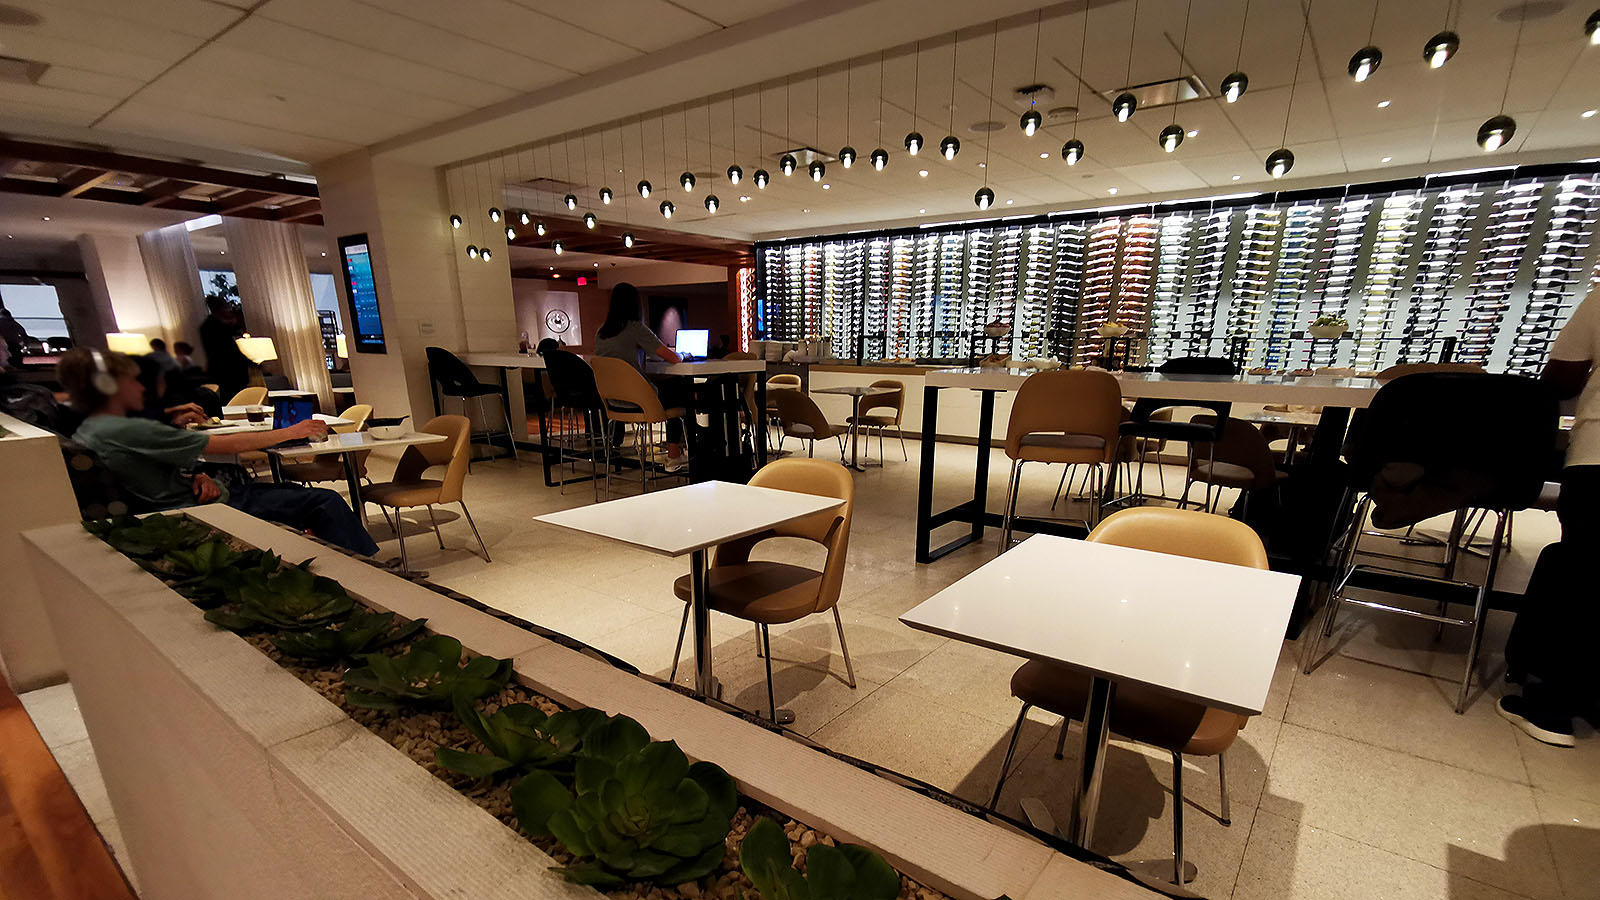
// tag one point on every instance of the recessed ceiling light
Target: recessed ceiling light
(1111, 190)
(1009, 202)
(597, 265)
(923, 172)
(324, 253)
(1589, 113)
(827, 187)
(1237, 177)
(1194, 132)
(920, 211)
(1387, 158)
(983, 165)
(1383, 104)
(46, 218)
(805, 210)
(745, 199)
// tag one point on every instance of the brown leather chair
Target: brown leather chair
(1394, 372)
(799, 416)
(1139, 713)
(775, 593)
(630, 399)
(331, 468)
(1066, 416)
(892, 397)
(408, 488)
(785, 382)
(1241, 459)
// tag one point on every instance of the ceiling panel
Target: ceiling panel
(729, 12)
(643, 25)
(518, 29)
(146, 115)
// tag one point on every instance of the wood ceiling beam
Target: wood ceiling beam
(82, 180)
(7, 166)
(162, 190)
(139, 165)
(233, 204)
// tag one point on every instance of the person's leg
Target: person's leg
(675, 391)
(317, 510)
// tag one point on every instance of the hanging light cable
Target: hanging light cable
(1072, 150)
(1172, 135)
(1235, 83)
(847, 153)
(643, 187)
(1442, 46)
(816, 170)
(1126, 103)
(951, 145)
(760, 176)
(914, 137)
(1368, 58)
(627, 215)
(570, 201)
(1281, 160)
(880, 156)
(735, 174)
(1499, 129)
(984, 198)
(1031, 120)
(712, 202)
(788, 163)
(686, 178)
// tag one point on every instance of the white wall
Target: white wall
(119, 286)
(662, 273)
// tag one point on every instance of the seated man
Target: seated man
(158, 463)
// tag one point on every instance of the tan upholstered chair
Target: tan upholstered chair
(331, 468)
(408, 488)
(1394, 372)
(630, 399)
(785, 382)
(892, 402)
(775, 593)
(1242, 459)
(1139, 713)
(1066, 416)
(250, 396)
(799, 416)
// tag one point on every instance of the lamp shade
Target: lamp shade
(130, 342)
(257, 349)
(340, 347)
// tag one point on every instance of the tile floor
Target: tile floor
(1357, 781)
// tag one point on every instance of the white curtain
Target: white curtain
(275, 288)
(174, 282)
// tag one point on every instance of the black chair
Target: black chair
(340, 379)
(1435, 443)
(577, 408)
(277, 382)
(452, 378)
(1144, 423)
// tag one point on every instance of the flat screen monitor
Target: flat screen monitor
(288, 411)
(356, 255)
(693, 342)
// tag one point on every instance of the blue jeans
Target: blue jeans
(317, 510)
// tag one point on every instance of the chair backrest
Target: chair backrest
(625, 392)
(1241, 444)
(340, 379)
(893, 397)
(1183, 532)
(747, 380)
(1445, 440)
(357, 413)
(449, 371)
(1394, 372)
(572, 379)
(783, 381)
(1198, 365)
(452, 454)
(250, 396)
(1066, 401)
(795, 408)
(831, 529)
(277, 382)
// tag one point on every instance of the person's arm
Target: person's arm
(1573, 352)
(244, 441)
(1566, 376)
(668, 354)
(648, 340)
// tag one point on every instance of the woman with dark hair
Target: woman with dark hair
(624, 336)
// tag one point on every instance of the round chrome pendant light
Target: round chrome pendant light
(571, 200)
(558, 248)
(1280, 162)
(984, 198)
(913, 142)
(644, 189)
(523, 217)
(1171, 137)
(667, 209)
(735, 174)
(1439, 48)
(949, 147)
(712, 203)
(511, 233)
(1234, 86)
(486, 255)
(1031, 122)
(455, 221)
(817, 170)
(761, 178)
(1365, 62)
(1072, 151)
(589, 221)
(1493, 134)
(847, 157)
(686, 180)
(1124, 106)
(472, 251)
(605, 195)
(494, 213)
(880, 158)
(538, 228)
(627, 239)
(788, 164)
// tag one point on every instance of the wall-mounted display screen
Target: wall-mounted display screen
(355, 253)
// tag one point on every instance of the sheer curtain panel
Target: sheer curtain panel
(275, 287)
(174, 282)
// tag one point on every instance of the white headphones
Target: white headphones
(102, 380)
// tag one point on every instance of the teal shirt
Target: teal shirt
(150, 459)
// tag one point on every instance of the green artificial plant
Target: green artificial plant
(206, 573)
(520, 737)
(363, 632)
(281, 597)
(429, 674)
(845, 872)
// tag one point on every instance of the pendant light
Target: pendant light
(494, 213)
(557, 246)
(1072, 150)
(1591, 27)
(880, 156)
(1499, 129)
(667, 209)
(523, 217)
(788, 164)
(817, 170)
(627, 218)
(1172, 135)
(949, 147)
(1367, 60)
(687, 180)
(644, 188)
(761, 179)
(605, 196)
(589, 220)
(1125, 103)
(486, 254)
(735, 174)
(847, 156)
(984, 198)
(712, 203)
(1281, 160)
(847, 153)
(455, 221)
(914, 137)
(511, 233)
(1442, 46)
(472, 251)
(1031, 120)
(1235, 83)
(538, 228)
(627, 239)
(571, 201)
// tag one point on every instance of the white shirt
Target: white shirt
(1579, 341)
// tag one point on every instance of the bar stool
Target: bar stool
(577, 407)
(1064, 416)
(1144, 421)
(630, 399)
(1240, 458)
(456, 380)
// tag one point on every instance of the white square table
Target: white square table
(346, 446)
(690, 519)
(1200, 630)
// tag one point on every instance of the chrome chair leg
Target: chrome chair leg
(1344, 564)
(757, 626)
(1177, 818)
(849, 668)
(677, 651)
(772, 702)
(1480, 607)
(481, 545)
(1222, 782)
(1063, 483)
(904, 457)
(1011, 506)
(511, 435)
(434, 519)
(1011, 750)
(399, 534)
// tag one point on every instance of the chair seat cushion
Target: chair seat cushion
(1137, 713)
(770, 593)
(1061, 448)
(1229, 474)
(409, 493)
(872, 419)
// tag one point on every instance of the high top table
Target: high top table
(1200, 630)
(690, 519)
(855, 393)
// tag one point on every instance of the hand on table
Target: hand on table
(187, 414)
(312, 429)
(205, 490)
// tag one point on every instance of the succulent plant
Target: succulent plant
(363, 632)
(845, 872)
(644, 815)
(522, 737)
(281, 597)
(429, 674)
(153, 535)
(205, 573)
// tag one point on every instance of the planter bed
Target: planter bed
(379, 826)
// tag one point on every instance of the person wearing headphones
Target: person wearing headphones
(158, 463)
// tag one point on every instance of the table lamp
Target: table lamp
(257, 349)
(130, 342)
